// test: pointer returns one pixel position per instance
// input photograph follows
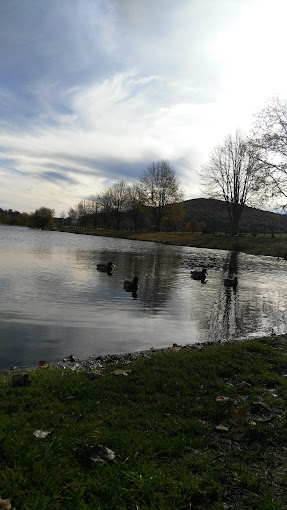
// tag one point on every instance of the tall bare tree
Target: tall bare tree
(115, 201)
(83, 212)
(235, 174)
(270, 137)
(160, 188)
(135, 203)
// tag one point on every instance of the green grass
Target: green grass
(161, 422)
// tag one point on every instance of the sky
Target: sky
(94, 91)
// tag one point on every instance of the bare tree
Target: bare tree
(114, 202)
(95, 208)
(270, 137)
(72, 215)
(94, 201)
(83, 211)
(235, 174)
(105, 207)
(135, 203)
(160, 188)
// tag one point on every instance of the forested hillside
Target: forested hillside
(211, 214)
(200, 214)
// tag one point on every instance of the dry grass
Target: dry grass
(260, 245)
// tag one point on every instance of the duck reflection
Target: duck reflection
(231, 267)
(231, 282)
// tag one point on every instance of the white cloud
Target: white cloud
(93, 92)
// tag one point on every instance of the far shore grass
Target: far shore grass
(274, 246)
(194, 428)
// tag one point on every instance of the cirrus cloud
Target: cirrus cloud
(93, 92)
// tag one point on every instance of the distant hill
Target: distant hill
(213, 214)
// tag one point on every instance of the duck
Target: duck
(106, 268)
(131, 286)
(231, 282)
(199, 275)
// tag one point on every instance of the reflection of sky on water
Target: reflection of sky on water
(54, 302)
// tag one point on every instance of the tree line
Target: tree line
(155, 202)
(43, 218)
(242, 170)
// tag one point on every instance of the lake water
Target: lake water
(54, 302)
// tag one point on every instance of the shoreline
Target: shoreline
(94, 362)
(261, 244)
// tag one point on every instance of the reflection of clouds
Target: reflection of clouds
(59, 302)
(161, 269)
(256, 307)
(223, 320)
(155, 267)
(33, 342)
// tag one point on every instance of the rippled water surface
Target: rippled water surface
(54, 302)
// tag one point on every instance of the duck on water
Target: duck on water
(105, 268)
(199, 275)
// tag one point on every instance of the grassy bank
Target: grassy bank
(260, 245)
(192, 428)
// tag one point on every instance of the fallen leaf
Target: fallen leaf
(121, 372)
(94, 374)
(5, 504)
(273, 393)
(41, 434)
(222, 428)
(101, 454)
(222, 399)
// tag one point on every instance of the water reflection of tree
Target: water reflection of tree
(160, 269)
(230, 311)
(230, 266)
(156, 268)
(221, 323)
(230, 317)
(223, 314)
